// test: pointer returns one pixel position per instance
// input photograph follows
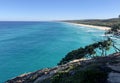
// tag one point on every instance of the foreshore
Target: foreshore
(91, 26)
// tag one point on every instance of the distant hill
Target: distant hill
(98, 22)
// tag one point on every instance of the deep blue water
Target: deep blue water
(29, 46)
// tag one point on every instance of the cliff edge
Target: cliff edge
(97, 70)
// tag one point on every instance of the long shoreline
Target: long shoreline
(90, 26)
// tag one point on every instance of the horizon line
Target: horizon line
(56, 20)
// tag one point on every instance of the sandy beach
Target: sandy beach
(91, 26)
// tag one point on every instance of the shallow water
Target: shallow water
(29, 46)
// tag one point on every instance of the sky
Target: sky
(45, 10)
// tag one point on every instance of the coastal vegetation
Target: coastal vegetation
(92, 73)
(97, 22)
(89, 51)
(115, 33)
(115, 30)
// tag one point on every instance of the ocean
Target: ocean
(29, 46)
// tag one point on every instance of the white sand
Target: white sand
(91, 26)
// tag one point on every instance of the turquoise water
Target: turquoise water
(29, 46)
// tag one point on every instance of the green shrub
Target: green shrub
(89, 74)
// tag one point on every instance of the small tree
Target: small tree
(88, 51)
